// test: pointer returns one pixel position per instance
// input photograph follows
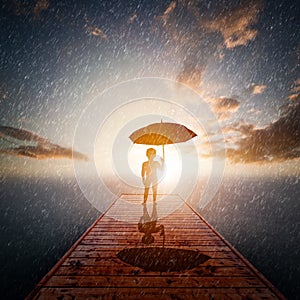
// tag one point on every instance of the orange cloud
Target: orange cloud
(132, 18)
(39, 6)
(258, 88)
(295, 96)
(224, 104)
(236, 26)
(224, 107)
(95, 31)
(165, 16)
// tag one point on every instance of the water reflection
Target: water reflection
(159, 259)
(148, 225)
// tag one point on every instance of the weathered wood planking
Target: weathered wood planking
(91, 269)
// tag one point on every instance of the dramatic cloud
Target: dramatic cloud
(276, 142)
(236, 26)
(21, 142)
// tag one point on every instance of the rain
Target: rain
(77, 78)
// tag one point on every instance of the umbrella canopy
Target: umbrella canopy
(162, 134)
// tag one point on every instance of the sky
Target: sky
(231, 69)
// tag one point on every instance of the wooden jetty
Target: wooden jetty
(93, 269)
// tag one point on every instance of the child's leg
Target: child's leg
(154, 189)
(146, 192)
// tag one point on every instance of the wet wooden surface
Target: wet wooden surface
(92, 270)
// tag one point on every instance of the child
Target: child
(149, 173)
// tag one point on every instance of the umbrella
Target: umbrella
(162, 134)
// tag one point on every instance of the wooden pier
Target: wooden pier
(98, 267)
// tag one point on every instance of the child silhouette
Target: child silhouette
(149, 173)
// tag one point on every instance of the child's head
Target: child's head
(150, 152)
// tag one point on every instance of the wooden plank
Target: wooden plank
(169, 236)
(175, 225)
(119, 241)
(155, 281)
(159, 293)
(85, 261)
(122, 270)
(109, 253)
(120, 247)
(134, 230)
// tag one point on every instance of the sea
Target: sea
(42, 217)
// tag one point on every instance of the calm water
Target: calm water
(41, 219)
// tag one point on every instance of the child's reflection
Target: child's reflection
(147, 225)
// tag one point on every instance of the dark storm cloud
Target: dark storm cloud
(39, 152)
(21, 142)
(278, 141)
(22, 135)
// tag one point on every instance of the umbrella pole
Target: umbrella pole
(163, 148)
